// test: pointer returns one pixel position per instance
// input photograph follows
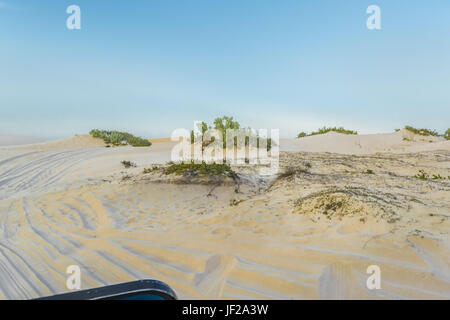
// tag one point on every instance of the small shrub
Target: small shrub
(422, 132)
(128, 164)
(290, 172)
(422, 175)
(125, 178)
(370, 171)
(223, 124)
(447, 134)
(117, 138)
(326, 130)
(202, 169)
(150, 170)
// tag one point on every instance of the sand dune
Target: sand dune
(308, 235)
(78, 141)
(402, 141)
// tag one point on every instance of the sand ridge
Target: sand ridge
(402, 141)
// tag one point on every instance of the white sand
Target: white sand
(64, 203)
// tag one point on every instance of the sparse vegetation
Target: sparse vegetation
(369, 171)
(292, 171)
(125, 178)
(287, 173)
(422, 132)
(424, 176)
(350, 201)
(150, 170)
(117, 138)
(201, 169)
(326, 130)
(226, 123)
(417, 233)
(393, 219)
(223, 124)
(128, 164)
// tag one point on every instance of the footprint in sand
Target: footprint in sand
(211, 281)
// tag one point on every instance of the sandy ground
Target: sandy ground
(309, 233)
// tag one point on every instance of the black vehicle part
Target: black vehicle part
(136, 290)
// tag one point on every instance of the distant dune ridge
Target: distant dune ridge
(343, 202)
(402, 141)
(398, 142)
(11, 140)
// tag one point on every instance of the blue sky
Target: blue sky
(150, 67)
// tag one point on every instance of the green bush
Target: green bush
(118, 138)
(326, 130)
(447, 134)
(422, 132)
(202, 169)
(150, 170)
(223, 124)
(422, 175)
